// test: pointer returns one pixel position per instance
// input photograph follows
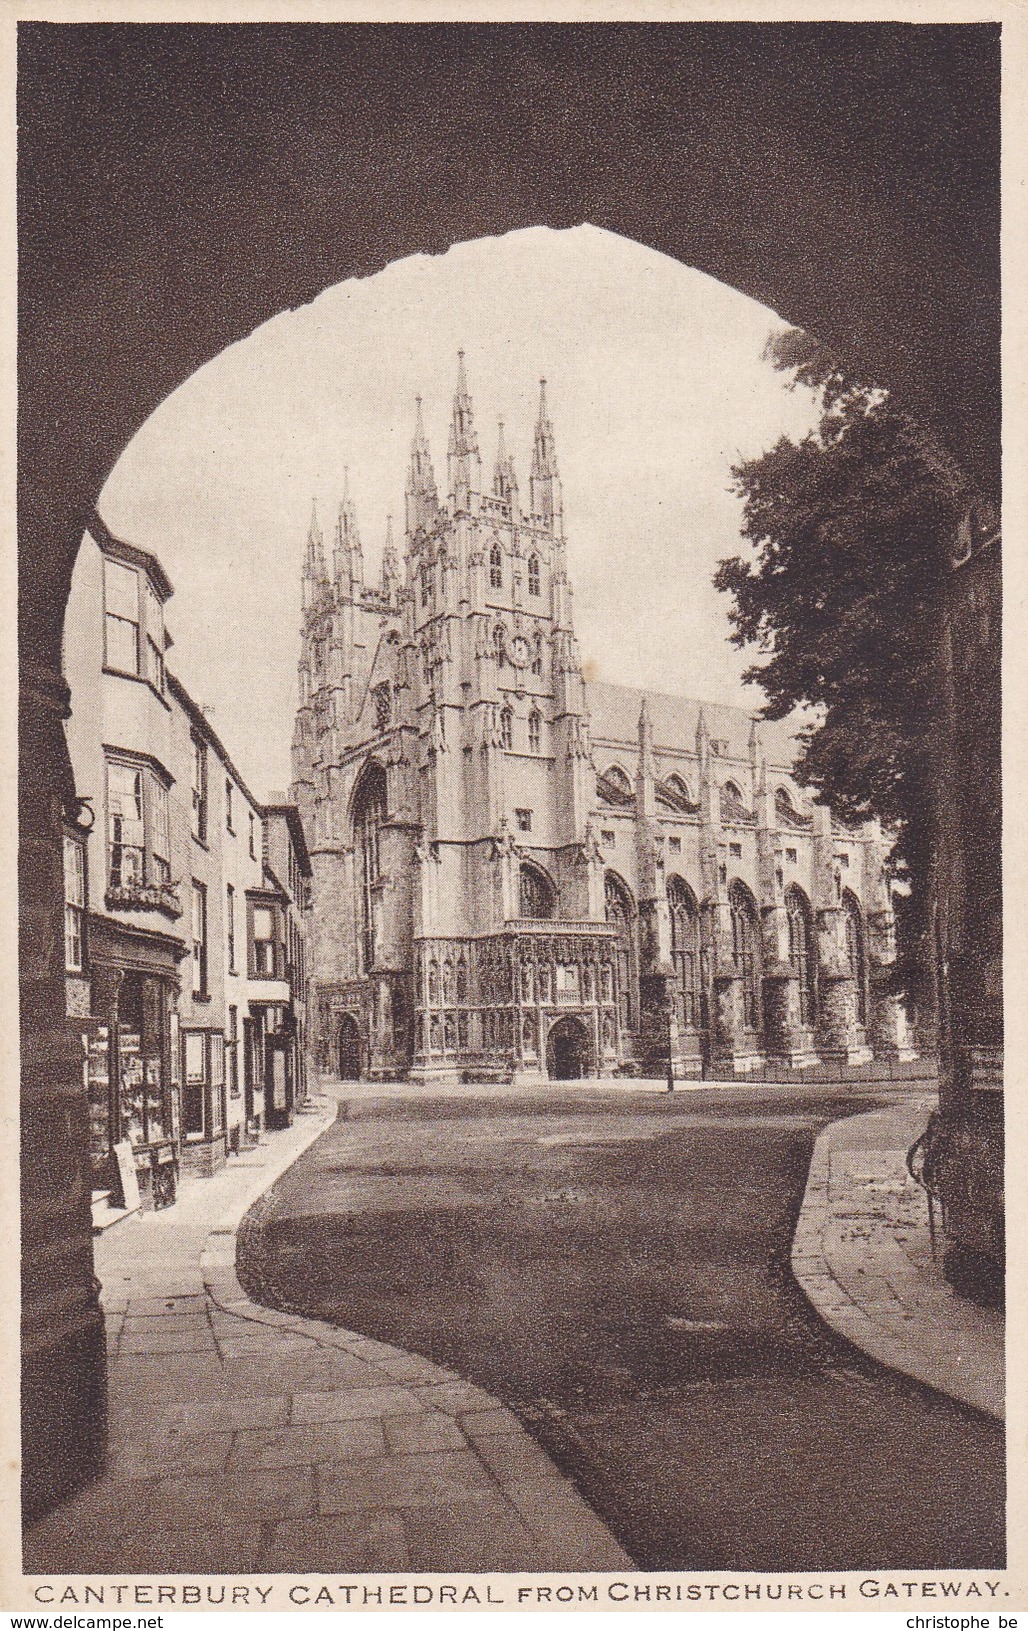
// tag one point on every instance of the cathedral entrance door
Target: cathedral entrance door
(349, 1049)
(567, 1051)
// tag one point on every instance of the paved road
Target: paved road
(614, 1265)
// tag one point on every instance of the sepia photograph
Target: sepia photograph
(510, 812)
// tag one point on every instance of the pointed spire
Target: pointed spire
(545, 486)
(645, 740)
(702, 734)
(422, 498)
(348, 559)
(390, 562)
(464, 464)
(315, 575)
(505, 480)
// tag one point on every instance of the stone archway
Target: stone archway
(568, 1053)
(349, 1052)
(266, 194)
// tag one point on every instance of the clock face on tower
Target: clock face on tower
(519, 651)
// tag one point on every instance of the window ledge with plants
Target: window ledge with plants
(144, 897)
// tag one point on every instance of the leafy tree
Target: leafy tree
(841, 596)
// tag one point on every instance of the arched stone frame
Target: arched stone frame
(64, 466)
(495, 565)
(686, 951)
(802, 952)
(507, 726)
(856, 950)
(537, 892)
(746, 955)
(350, 1047)
(367, 814)
(731, 803)
(534, 579)
(535, 729)
(619, 779)
(620, 910)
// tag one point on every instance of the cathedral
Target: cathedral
(521, 875)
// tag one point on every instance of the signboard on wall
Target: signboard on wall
(126, 1159)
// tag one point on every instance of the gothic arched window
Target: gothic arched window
(620, 911)
(685, 949)
(536, 893)
(535, 726)
(369, 809)
(854, 926)
(746, 951)
(426, 584)
(537, 655)
(802, 955)
(507, 728)
(533, 574)
(498, 643)
(496, 567)
(383, 706)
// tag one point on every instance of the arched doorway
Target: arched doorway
(348, 1049)
(567, 1051)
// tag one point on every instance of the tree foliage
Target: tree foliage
(840, 595)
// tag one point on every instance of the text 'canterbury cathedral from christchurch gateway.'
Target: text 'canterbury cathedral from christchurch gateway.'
(520, 875)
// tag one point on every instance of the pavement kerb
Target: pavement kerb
(853, 1317)
(547, 1502)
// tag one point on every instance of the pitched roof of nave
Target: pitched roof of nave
(614, 717)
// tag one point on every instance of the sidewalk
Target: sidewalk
(248, 1441)
(862, 1254)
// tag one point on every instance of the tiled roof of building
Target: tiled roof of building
(614, 716)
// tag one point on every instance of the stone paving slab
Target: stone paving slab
(244, 1440)
(862, 1253)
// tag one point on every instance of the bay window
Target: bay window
(133, 624)
(74, 905)
(138, 838)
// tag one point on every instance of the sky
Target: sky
(656, 386)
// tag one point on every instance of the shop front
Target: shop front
(130, 1058)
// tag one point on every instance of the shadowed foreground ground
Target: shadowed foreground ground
(614, 1265)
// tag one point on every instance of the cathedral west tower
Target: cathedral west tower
(513, 878)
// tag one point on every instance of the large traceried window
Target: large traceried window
(854, 929)
(533, 574)
(685, 949)
(495, 567)
(802, 955)
(536, 895)
(620, 911)
(746, 951)
(368, 815)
